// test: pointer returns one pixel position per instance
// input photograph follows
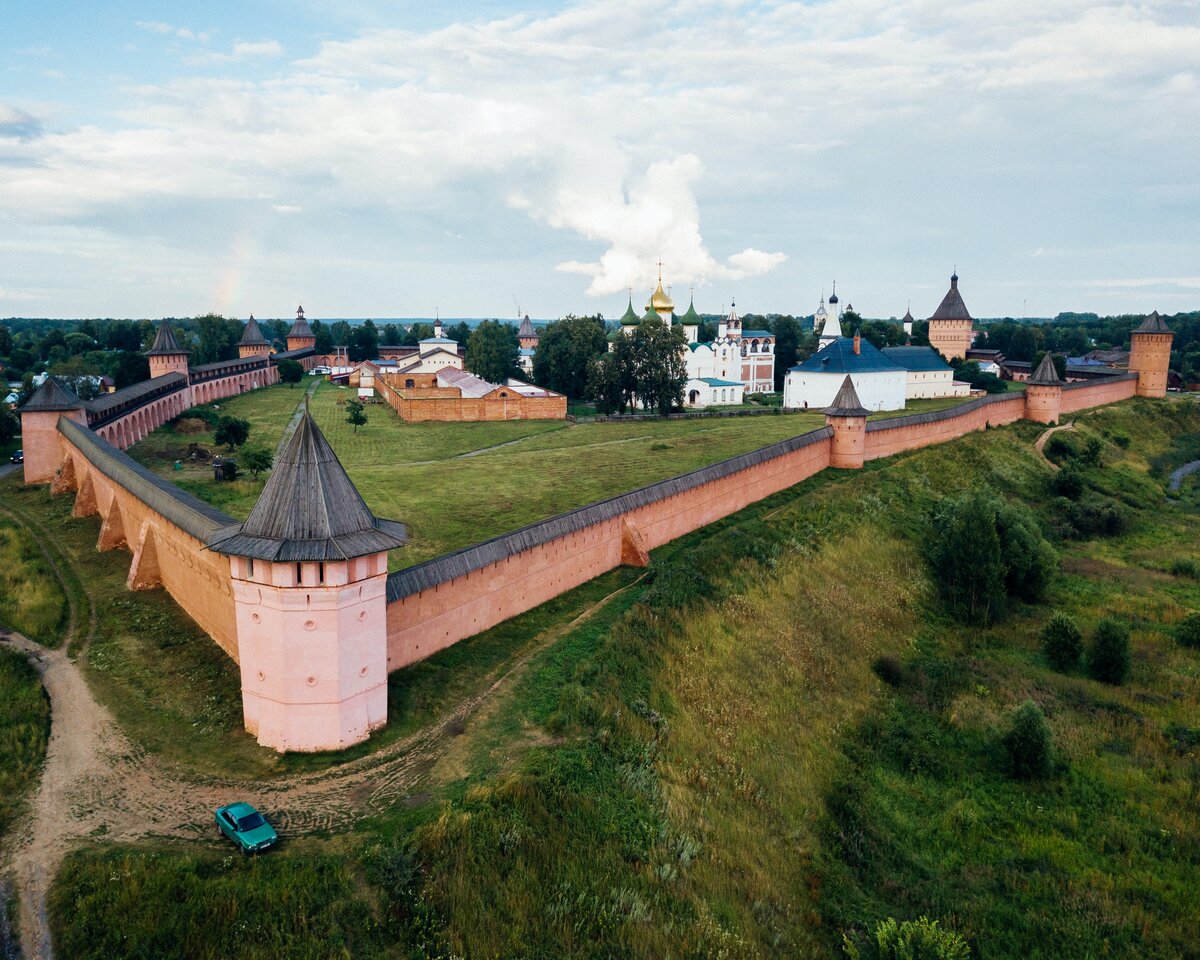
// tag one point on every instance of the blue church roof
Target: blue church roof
(839, 357)
(714, 382)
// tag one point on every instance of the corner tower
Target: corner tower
(166, 355)
(951, 328)
(39, 427)
(253, 343)
(1150, 355)
(301, 337)
(309, 571)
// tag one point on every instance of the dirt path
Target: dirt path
(1186, 470)
(96, 784)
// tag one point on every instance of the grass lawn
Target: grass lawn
(458, 484)
(24, 730)
(31, 600)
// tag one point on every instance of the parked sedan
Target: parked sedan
(246, 827)
(18, 457)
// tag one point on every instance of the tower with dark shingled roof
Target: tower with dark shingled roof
(1043, 393)
(951, 328)
(309, 571)
(301, 336)
(847, 418)
(166, 355)
(253, 343)
(1150, 355)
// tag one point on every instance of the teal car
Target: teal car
(246, 827)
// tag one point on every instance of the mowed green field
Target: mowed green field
(456, 484)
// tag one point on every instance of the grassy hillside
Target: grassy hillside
(709, 766)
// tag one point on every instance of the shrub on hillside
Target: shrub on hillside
(1186, 567)
(983, 551)
(1059, 448)
(1027, 744)
(890, 670)
(919, 939)
(1108, 657)
(1029, 561)
(1068, 482)
(1187, 631)
(1097, 517)
(1062, 642)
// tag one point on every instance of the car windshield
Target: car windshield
(251, 821)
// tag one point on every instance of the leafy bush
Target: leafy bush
(1187, 631)
(258, 460)
(890, 670)
(1068, 482)
(919, 939)
(1062, 642)
(983, 551)
(1028, 745)
(1186, 567)
(207, 414)
(232, 432)
(1059, 448)
(1098, 516)
(1108, 658)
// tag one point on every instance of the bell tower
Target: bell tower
(301, 336)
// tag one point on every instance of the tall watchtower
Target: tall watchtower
(1150, 355)
(166, 355)
(951, 328)
(39, 427)
(253, 343)
(527, 334)
(309, 571)
(301, 336)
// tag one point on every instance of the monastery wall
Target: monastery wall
(162, 526)
(1095, 393)
(438, 603)
(894, 435)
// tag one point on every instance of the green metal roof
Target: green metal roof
(629, 318)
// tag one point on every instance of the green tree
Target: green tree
(1062, 642)
(659, 368)
(324, 335)
(355, 414)
(232, 432)
(257, 460)
(1029, 561)
(6, 341)
(964, 554)
(129, 367)
(78, 343)
(217, 339)
(460, 333)
(492, 351)
(921, 939)
(1109, 656)
(10, 425)
(788, 336)
(565, 350)
(1187, 631)
(604, 385)
(291, 371)
(416, 333)
(1028, 744)
(1023, 345)
(364, 342)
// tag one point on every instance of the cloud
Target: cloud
(286, 208)
(18, 124)
(725, 138)
(1189, 283)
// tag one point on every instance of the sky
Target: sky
(390, 158)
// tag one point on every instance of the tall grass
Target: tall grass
(31, 601)
(24, 730)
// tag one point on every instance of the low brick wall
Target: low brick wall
(438, 603)
(886, 437)
(1096, 393)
